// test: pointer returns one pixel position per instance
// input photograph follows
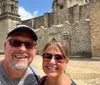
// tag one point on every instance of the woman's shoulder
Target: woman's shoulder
(42, 80)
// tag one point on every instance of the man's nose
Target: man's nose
(22, 47)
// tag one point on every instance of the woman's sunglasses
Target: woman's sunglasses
(57, 57)
(18, 43)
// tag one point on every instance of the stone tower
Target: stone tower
(8, 18)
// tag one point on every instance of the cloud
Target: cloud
(25, 14)
(35, 13)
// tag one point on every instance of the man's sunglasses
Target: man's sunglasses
(57, 57)
(18, 43)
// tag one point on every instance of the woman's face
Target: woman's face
(53, 66)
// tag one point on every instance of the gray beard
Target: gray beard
(19, 66)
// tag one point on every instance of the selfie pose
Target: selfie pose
(20, 49)
(54, 64)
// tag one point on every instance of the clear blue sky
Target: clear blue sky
(34, 8)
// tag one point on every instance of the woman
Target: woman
(54, 63)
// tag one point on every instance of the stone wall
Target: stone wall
(77, 37)
(5, 26)
(3, 32)
(95, 27)
(76, 22)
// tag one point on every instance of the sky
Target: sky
(33, 8)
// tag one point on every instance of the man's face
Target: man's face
(19, 56)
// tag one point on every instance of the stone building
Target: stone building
(75, 21)
(8, 18)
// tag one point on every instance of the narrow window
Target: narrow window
(61, 6)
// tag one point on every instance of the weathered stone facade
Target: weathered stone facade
(70, 20)
(75, 21)
(8, 17)
(95, 27)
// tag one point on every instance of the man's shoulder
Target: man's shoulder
(2, 80)
(1, 68)
(1, 62)
(73, 83)
(34, 70)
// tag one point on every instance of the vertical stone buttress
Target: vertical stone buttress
(8, 18)
(95, 27)
(46, 17)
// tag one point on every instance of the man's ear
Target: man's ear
(5, 45)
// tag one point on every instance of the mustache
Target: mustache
(22, 54)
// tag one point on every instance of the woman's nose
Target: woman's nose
(52, 60)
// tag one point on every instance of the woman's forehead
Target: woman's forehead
(52, 47)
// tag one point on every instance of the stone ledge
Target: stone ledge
(95, 58)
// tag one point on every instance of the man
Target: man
(20, 49)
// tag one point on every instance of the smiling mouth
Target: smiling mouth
(52, 68)
(21, 57)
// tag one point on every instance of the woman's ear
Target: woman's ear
(67, 60)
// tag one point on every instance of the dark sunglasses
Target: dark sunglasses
(58, 57)
(18, 43)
